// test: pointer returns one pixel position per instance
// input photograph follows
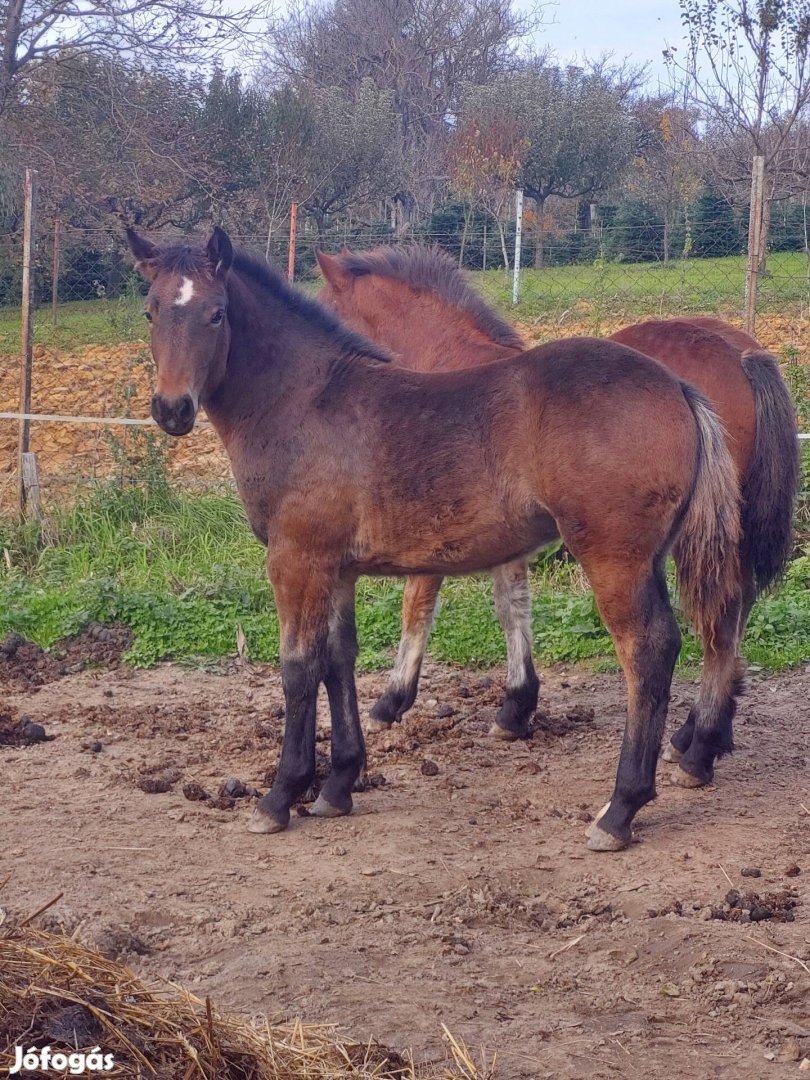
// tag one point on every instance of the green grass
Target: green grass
(184, 571)
(79, 323)
(634, 289)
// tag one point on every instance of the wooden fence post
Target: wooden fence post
(27, 335)
(755, 242)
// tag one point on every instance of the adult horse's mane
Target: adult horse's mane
(185, 259)
(429, 269)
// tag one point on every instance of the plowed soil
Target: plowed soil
(112, 380)
(458, 892)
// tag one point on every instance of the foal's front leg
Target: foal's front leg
(348, 748)
(303, 600)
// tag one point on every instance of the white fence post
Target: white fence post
(518, 237)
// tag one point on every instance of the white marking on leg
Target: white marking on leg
(513, 604)
(410, 653)
(186, 292)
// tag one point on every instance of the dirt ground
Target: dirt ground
(458, 892)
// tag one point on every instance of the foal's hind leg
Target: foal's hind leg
(513, 604)
(418, 609)
(634, 604)
(709, 726)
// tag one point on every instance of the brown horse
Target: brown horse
(417, 303)
(348, 466)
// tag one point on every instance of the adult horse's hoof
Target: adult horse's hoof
(262, 822)
(671, 754)
(681, 778)
(599, 840)
(322, 808)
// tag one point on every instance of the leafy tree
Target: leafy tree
(578, 131)
(484, 162)
(714, 229)
(353, 151)
(748, 62)
(638, 233)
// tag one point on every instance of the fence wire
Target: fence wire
(91, 358)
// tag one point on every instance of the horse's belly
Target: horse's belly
(459, 548)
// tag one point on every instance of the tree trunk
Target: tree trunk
(467, 218)
(319, 218)
(539, 232)
(502, 235)
(666, 236)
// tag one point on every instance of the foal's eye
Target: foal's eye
(217, 317)
(148, 316)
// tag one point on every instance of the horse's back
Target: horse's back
(706, 353)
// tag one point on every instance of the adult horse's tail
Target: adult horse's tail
(769, 486)
(707, 547)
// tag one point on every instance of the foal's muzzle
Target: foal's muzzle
(176, 416)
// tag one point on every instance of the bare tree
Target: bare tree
(422, 53)
(748, 63)
(179, 31)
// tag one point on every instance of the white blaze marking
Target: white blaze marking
(186, 292)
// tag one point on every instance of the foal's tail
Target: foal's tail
(769, 486)
(708, 543)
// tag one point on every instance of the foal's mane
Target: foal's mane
(185, 259)
(429, 269)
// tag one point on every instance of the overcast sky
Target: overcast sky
(638, 29)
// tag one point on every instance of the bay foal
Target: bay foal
(348, 466)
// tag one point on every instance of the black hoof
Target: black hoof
(388, 710)
(512, 721)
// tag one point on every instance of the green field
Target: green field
(630, 290)
(619, 290)
(183, 572)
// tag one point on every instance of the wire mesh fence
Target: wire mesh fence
(91, 357)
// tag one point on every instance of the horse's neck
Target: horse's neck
(439, 338)
(274, 362)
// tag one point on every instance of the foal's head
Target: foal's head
(187, 312)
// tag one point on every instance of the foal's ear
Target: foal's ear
(333, 271)
(145, 252)
(219, 252)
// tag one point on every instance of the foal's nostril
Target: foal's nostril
(175, 417)
(185, 411)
